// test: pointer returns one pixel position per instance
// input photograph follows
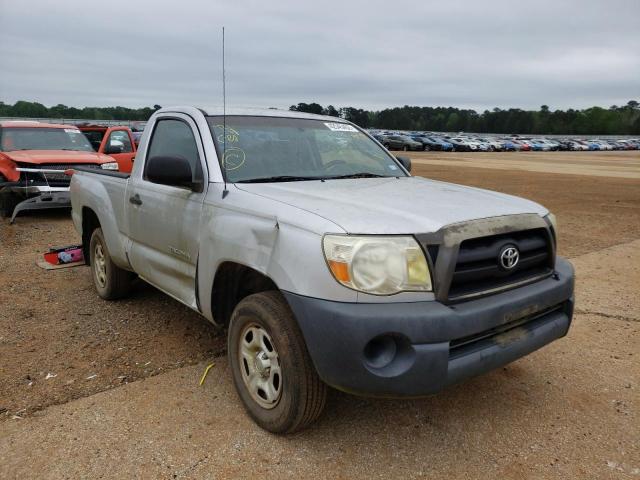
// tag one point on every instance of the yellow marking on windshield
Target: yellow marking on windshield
(232, 135)
(233, 158)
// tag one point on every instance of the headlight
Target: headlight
(109, 166)
(379, 265)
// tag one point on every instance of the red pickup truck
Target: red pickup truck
(33, 159)
(117, 142)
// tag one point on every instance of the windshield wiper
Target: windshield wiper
(357, 175)
(279, 178)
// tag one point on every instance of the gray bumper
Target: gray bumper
(413, 349)
(43, 201)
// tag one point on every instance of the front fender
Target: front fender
(8, 168)
(260, 233)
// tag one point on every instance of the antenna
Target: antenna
(224, 123)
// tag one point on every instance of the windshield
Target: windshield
(286, 149)
(22, 138)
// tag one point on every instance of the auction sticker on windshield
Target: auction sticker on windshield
(341, 127)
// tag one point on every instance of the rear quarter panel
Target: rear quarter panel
(106, 197)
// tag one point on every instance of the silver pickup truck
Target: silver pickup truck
(328, 263)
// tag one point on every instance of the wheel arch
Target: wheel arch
(90, 222)
(232, 282)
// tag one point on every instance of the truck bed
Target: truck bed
(104, 192)
(99, 171)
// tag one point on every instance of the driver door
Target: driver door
(164, 220)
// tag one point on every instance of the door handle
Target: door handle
(135, 199)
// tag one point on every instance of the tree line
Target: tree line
(36, 110)
(615, 120)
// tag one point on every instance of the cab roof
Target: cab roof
(258, 112)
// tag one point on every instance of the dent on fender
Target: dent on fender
(265, 235)
(246, 238)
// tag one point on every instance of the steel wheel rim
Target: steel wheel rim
(260, 366)
(100, 265)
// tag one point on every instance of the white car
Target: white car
(577, 146)
(494, 145)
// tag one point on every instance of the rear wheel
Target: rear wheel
(111, 281)
(271, 368)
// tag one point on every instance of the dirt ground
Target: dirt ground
(569, 410)
(53, 323)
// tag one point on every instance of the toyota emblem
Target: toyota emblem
(509, 257)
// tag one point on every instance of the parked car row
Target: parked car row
(426, 141)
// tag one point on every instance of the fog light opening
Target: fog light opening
(381, 351)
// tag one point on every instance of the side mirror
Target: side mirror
(406, 163)
(174, 171)
(112, 148)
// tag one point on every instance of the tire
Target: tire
(426, 148)
(297, 398)
(405, 148)
(8, 203)
(111, 281)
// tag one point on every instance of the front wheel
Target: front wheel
(271, 367)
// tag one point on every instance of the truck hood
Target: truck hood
(39, 157)
(393, 205)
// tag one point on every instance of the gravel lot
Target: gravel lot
(569, 410)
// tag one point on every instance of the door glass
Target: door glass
(120, 138)
(174, 138)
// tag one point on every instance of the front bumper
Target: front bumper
(44, 201)
(414, 349)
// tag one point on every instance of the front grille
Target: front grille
(51, 179)
(478, 268)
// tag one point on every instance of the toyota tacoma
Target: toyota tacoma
(325, 260)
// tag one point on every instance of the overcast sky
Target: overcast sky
(475, 54)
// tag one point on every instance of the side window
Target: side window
(119, 138)
(174, 138)
(94, 137)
